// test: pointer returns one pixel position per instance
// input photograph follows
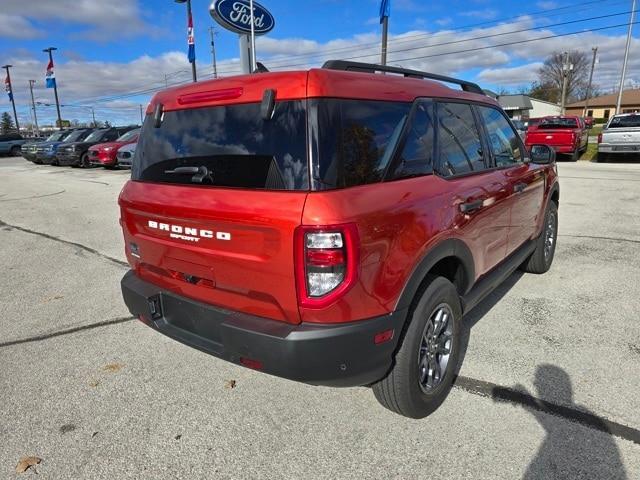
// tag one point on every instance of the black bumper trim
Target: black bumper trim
(340, 355)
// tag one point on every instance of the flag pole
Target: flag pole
(13, 100)
(55, 87)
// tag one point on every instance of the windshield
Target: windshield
(230, 146)
(559, 123)
(54, 137)
(130, 135)
(76, 135)
(96, 136)
(626, 121)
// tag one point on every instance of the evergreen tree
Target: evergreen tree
(6, 123)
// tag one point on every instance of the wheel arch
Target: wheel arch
(451, 259)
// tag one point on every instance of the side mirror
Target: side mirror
(542, 154)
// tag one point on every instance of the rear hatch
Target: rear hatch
(554, 132)
(622, 131)
(216, 194)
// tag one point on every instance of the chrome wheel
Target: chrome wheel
(549, 235)
(435, 348)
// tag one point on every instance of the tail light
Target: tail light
(326, 260)
(599, 138)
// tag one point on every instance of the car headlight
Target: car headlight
(107, 149)
(50, 148)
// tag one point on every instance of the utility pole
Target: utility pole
(626, 55)
(93, 114)
(385, 12)
(141, 116)
(213, 33)
(593, 65)
(13, 100)
(33, 104)
(566, 71)
(55, 86)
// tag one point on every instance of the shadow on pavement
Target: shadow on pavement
(569, 450)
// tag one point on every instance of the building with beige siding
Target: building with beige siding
(605, 105)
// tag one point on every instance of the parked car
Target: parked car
(588, 121)
(565, 134)
(531, 123)
(46, 152)
(125, 155)
(28, 149)
(105, 154)
(332, 226)
(76, 153)
(10, 144)
(621, 135)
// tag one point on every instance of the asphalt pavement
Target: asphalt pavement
(548, 389)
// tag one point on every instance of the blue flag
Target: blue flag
(191, 41)
(50, 77)
(385, 9)
(7, 88)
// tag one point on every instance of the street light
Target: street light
(13, 100)
(55, 85)
(193, 64)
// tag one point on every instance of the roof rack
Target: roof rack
(373, 68)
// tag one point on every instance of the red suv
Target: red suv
(105, 154)
(332, 226)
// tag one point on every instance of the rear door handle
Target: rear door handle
(470, 206)
(519, 187)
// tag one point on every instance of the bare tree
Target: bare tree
(549, 84)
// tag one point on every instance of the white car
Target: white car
(125, 155)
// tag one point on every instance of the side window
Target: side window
(458, 139)
(503, 140)
(416, 157)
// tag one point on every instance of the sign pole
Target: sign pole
(253, 38)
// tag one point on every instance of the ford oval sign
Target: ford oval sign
(235, 15)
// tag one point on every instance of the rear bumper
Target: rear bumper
(340, 355)
(618, 148)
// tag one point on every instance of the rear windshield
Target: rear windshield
(229, 146)
(626, 121)
(558, 123)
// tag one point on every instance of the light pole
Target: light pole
(253, 38)
(190, 20)
(626, 55)
(13, 101)
(55, 85)
(213, 33)
(33, 104)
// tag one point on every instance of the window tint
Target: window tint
(458, 140)
(416, 157)
(352, 140)
(236, 146)
(503, 141)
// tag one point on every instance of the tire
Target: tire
(15, 151)
(575, 155)
(402, 391)
(542, 257)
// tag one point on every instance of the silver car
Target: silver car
(621, 135)
(125, 155)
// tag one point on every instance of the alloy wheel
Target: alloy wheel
(435, 348)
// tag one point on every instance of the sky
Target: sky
(113, 55)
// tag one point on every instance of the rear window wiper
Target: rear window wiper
(199, 174)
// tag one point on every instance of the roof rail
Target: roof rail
(373, 68)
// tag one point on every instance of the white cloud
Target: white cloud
(15, 26)
(546, 4)
(485, 14)
(104, 19)
(443, 22)
(511, 76)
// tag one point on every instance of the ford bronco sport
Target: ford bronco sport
(332, 226)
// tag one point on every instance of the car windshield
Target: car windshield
(76, 135)
(130, 135)
(625, 121)
(559, 123)
(54, 137)
(96, 136)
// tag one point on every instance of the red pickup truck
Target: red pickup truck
(567, 134)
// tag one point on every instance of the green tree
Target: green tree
(6, 123)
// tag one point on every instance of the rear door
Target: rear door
(216, 196)
(481, 210)
(524, 180)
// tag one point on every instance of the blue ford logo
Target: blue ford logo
(235, 15)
